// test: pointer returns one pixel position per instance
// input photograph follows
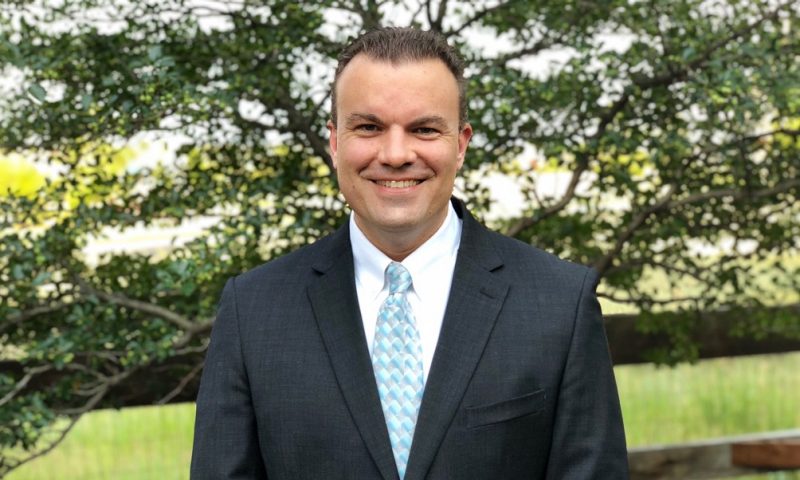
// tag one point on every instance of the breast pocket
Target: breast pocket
(529, 404)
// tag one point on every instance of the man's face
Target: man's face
(397, 145)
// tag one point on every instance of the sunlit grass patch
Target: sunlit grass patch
(713, 398)
(130, 444)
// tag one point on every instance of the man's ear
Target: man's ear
(463, 141)
(332, 143)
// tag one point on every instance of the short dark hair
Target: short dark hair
(407, 44)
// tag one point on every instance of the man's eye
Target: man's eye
(367, 127)
(426, 131)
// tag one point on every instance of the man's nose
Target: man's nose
(396, 150)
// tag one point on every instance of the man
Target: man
(412, 343)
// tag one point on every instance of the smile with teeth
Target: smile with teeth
(398, 183)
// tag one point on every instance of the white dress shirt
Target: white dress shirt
(431, 267)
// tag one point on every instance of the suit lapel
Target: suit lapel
(476, 298)
(335, 304)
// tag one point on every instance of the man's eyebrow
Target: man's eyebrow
(362, 117)
(434, 120)
(427, 120)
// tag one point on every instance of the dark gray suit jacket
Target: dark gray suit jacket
(521, 384)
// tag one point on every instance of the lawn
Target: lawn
(131, 444)
(712, 398)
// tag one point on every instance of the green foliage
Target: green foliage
(665, 138)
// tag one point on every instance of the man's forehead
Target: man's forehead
(365, 72)
(413, 87)
(357, 117)
(365, 59)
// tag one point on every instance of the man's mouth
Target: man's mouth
(398, 183)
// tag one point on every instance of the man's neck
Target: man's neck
(399, 244)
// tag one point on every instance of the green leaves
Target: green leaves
(38, 92)
(656, 141)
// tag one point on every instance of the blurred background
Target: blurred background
(149, 150)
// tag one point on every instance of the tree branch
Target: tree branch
(603, 263)
(89, 405)
(24, 382)
(436, 22)
(31, 313)
(146, 307)
(779, 131)
(652, 263)
(477, 17)
(652, 301)
(182, 384)
(319, 144)
(537, 47)
(527, 222)
(610, 114)
(428, 12)
(12, 466)
(370, 15)
(298, 123)
(736, 194)
(665, 204)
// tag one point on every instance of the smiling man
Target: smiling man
(400, 144)
(413, 343)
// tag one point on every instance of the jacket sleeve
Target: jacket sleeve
(588, 436)
(225, 436)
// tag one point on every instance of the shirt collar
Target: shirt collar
(370, 263)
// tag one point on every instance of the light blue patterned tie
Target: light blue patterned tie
(397, 361)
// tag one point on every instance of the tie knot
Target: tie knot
(399, 278)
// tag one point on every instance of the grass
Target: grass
(130, 444)
(710, 399)
(713, 398)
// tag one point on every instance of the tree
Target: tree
(674, 126)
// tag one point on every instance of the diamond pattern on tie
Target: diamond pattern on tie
(397, 362)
